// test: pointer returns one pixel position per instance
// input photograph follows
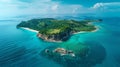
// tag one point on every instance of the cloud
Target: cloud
(106, 9)
(109, 6)
(18, 7)
(9, 8)
(98, 5)
(66, 9)
(54, 7)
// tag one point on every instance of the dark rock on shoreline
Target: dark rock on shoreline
(55, 37)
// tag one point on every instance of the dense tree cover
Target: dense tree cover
(50, 26)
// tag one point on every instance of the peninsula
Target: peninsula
(50, 29)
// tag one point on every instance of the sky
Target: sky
(11, 8)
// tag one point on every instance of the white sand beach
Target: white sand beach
(30, 29)
(97, 28)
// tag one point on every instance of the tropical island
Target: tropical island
(50, 29)
(67, 53)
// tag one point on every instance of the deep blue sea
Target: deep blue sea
(21, 48)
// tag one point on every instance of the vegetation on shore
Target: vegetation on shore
(50, 27)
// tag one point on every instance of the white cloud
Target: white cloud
(10, 8)
(75, 9)
(54, 7)
(110, 5)
(67, 9)
(16, 7)
(106, 9)
(98, 5)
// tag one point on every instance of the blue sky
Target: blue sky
(11, 8)
(87, 3)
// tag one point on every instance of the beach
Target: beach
(97, 28)
(30, 29)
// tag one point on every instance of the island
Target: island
(75, 54)
(50, 29)
(67, 53)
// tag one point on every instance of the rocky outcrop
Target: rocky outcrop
(63, 36)
(77, 56)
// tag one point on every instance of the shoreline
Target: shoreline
(88, 31)
(30, 29)
(97, 28)
(73, 33)
(50, 40)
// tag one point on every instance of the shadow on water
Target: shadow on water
(117, 58)
(96, 55)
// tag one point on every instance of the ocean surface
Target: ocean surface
(21, 48)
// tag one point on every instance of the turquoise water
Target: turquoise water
(21, 48)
